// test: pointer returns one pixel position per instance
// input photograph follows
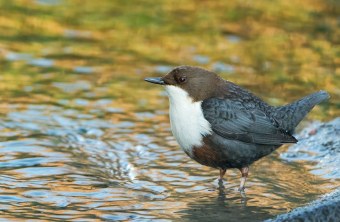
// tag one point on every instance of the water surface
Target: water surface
(84, 138)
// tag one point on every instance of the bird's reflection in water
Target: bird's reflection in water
(230, 205)
(221, 198)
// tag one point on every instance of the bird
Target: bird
(224, 126)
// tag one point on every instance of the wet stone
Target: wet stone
(323, 141)
(318, 142)
(326, 208)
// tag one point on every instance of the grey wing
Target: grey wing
(231, 120)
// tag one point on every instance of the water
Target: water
(84, 138)
(59, 163)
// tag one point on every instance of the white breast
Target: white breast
(188, 124)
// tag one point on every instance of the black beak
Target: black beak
(155, 80)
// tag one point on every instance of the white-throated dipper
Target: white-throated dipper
(219, 124)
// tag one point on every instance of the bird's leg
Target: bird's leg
(219, 180)
(244, 172)
(222, 172)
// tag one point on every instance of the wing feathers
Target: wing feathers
(231, 120)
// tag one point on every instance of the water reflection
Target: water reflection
(72, 163)
(83, 138)
(41, 62)
(225, 207)
(12, 56)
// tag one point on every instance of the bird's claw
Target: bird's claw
(241, 189)
(243, 193)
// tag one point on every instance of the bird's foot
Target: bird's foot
(243, 193)
(218, 181)
(241, 189)
(218, 184)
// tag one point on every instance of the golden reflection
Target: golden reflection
(101, 138)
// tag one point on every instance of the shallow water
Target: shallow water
(59, 163)
(84, 138)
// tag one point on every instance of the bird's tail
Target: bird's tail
(291, 114)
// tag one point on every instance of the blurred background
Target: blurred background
(83, 137)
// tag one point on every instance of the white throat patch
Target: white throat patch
(188, 124)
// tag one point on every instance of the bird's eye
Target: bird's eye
(182, 79)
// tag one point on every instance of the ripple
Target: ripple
(163, 69)
(84, 69)
(77, 86)
(26, 162)
(11, 199)
(80, 137)
(30, 172)
(76, 164)
(233, 38)
(73, 34)
(13, 56)
(41, 62)
(222, 67)
(48, 2)
(201, 59)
